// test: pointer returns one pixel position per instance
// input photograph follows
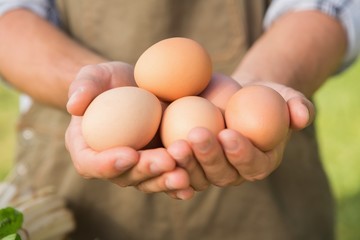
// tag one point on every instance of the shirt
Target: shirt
(346, 11)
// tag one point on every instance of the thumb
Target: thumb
(90, 82)
(302, 112)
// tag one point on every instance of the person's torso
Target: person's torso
(121, 30)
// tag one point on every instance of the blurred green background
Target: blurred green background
(8, 117)
(338, 122)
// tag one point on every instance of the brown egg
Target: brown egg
(259, 113)
(220, 89)
(124, 116)
(186, 113)
(174, 68)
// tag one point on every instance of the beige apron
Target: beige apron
(293, 203)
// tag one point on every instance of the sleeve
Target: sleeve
(40, 7)
(346, 11)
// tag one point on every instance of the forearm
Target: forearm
(300, 50)
(38, 59)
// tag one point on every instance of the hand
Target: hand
(230, 158)
(95, 79)
(151, 170)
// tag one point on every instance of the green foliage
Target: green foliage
(8, 117)
(10, 222)
(14, 236)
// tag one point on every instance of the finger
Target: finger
(183, 194)
(302, 112)
(209, 154)
(169, 181)
(90, 82)
(182, 153)
(251, 163)
(92, 164)
(121, 73)
(152, 163)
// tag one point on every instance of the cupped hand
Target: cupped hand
(230, 158)
(92, 80)
(149, 170)
(301, 109)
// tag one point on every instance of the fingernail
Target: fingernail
(180, 195)
(74, 96)
(306, 112)
(184, 194)
(169, 184)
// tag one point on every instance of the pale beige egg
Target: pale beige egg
(186, 113)
(174, 68)
(124, 116)
(259, 113)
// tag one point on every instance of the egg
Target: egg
(220, 89)
(123, 116)
(174, 68)
(186, 113)
(260, 114)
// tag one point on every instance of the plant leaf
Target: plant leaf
(12, 237)
(10, 221)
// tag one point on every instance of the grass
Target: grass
(8, 118)
(338, 123)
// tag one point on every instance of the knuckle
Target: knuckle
(143, 187)
(244, 162)
(256, 177)
(239, 181)
(201, 187)
(150, 186)
(102, 171)
(184, 162)
(120, 183)
(80, 170)
(242, 157)
(227, 181)
(91, 68)
(208, 161)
